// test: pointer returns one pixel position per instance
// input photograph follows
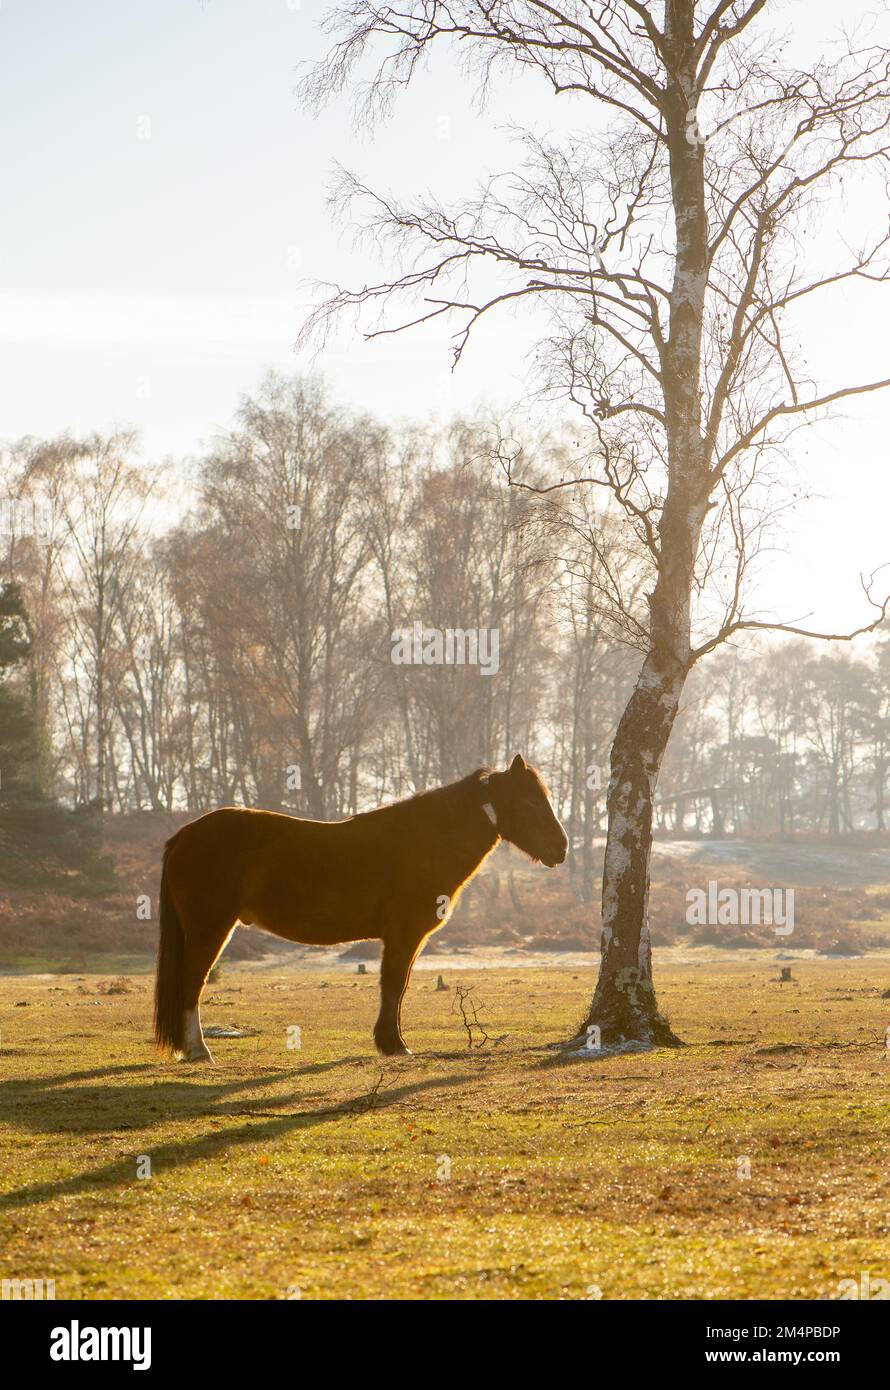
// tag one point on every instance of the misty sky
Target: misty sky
(164, 206)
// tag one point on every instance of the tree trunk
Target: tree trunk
(624, 1007)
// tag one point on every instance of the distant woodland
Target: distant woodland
(181, 636)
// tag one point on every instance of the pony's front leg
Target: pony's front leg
(399, 955)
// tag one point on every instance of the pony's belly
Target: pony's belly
(307, 936)
(307, 931)
(315, 908)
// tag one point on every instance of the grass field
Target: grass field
(323, 1172)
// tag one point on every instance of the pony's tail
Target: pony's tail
(169, 1032)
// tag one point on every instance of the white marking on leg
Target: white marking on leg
(195, 1050)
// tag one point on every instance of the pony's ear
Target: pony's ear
(518, 764)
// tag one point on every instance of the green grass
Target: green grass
(320, 1170)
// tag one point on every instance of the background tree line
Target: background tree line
(176, 647)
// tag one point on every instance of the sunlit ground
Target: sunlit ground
(497, 1172)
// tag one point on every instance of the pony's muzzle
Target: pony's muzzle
(557, 854)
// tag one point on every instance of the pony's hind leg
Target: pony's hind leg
(202, 950)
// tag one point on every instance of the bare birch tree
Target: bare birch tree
(667, 245)
(103, 514)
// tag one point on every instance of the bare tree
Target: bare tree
(668, 249)
(103, 506)
(299, 677)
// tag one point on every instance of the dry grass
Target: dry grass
(320, 1170)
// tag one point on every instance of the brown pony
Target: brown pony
(394, 874)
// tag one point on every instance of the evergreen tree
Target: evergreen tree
(41, 843)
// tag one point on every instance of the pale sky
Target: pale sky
(164, 205)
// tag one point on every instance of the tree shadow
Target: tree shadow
(182, 1090)
(317, 1068)
(214, 1100)
(596, 1057)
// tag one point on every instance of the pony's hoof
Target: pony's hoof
(397, 1049)
(204, 1055)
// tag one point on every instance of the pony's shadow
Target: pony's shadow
(48, 1109)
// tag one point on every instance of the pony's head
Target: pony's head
(522, 813)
